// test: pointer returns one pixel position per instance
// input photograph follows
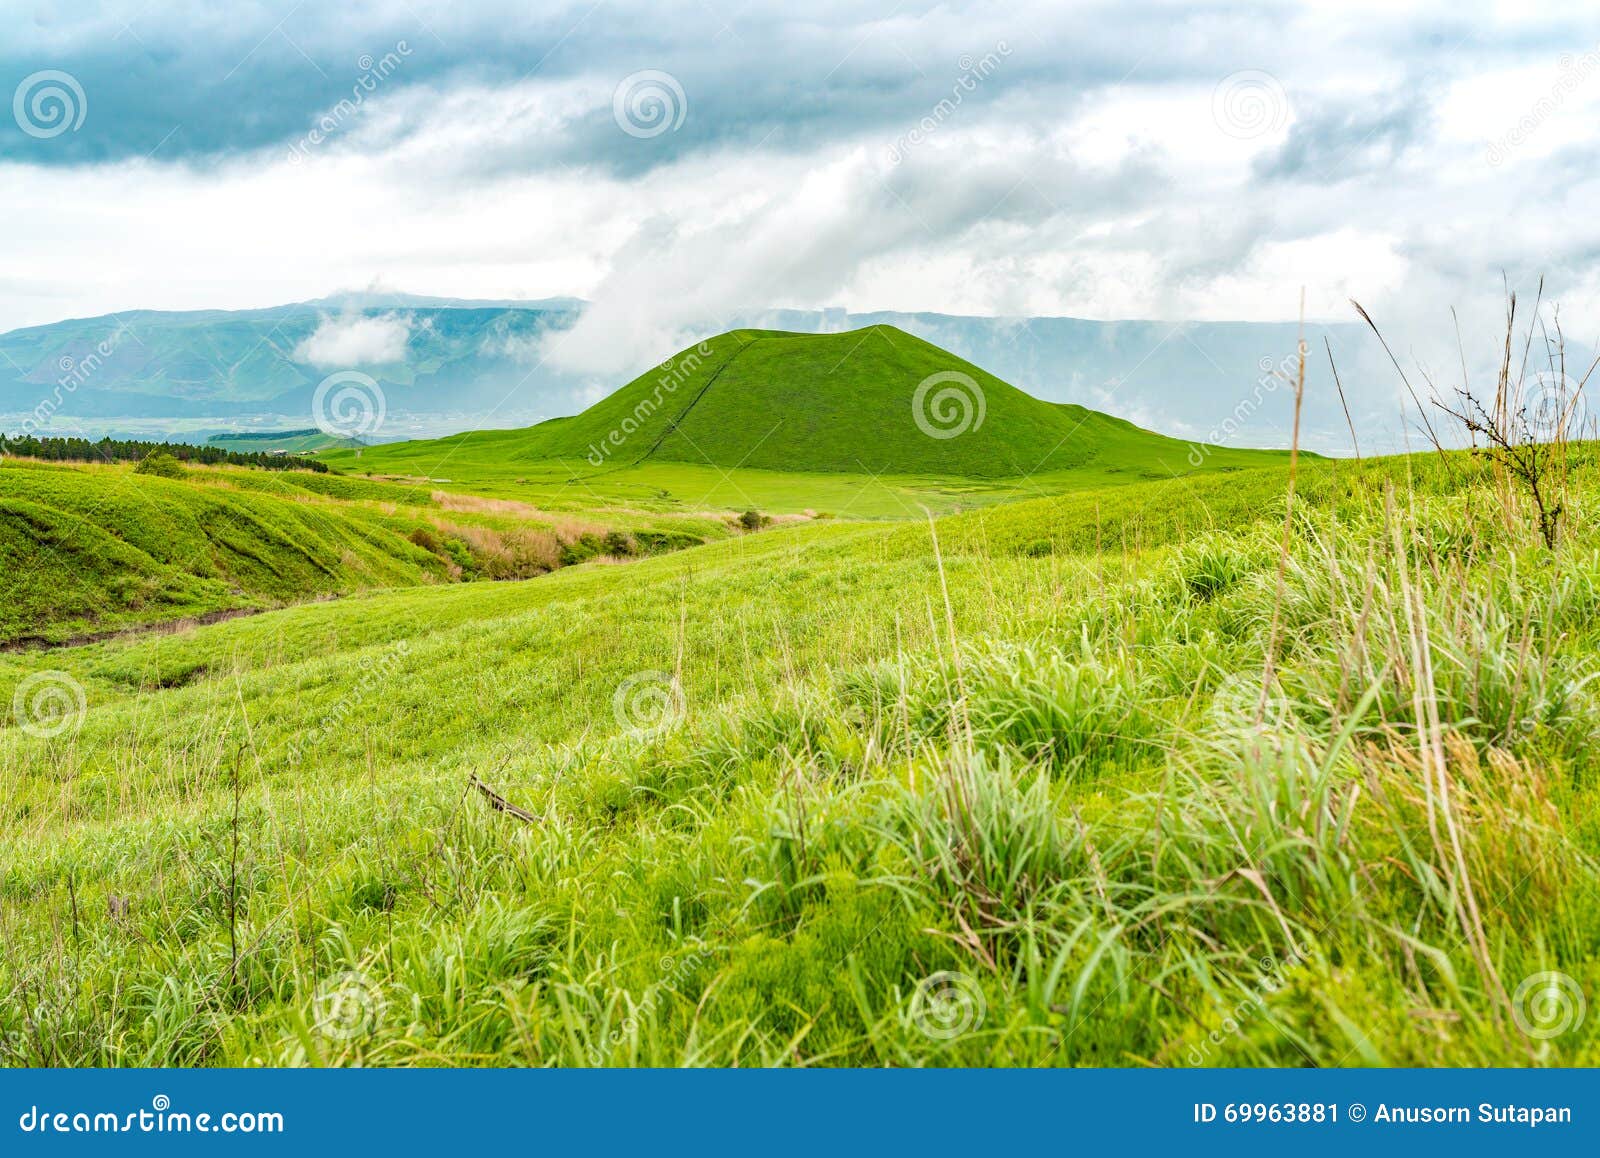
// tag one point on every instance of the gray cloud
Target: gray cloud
(181, 82)
(1342, 141)
(823, 159)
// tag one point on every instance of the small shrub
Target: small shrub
(161, 464)
(753, 520)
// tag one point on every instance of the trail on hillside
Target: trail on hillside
(673, 424)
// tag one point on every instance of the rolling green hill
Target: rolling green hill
(847, 424)
(90, 550)
(786, 421)
(870, 401)
(286, 441)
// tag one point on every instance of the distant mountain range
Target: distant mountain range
(447, 365)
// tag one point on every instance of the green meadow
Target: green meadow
(1127, 762)
(835, 794)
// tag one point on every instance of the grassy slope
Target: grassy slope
(94, 549)
(787, 421)
(1078, 832)
(288, 441)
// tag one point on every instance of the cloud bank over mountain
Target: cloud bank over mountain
(678, 165)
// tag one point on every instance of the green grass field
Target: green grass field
(1122, 762)
(843, 792)
(92, 550)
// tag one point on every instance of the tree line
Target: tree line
(135, 450)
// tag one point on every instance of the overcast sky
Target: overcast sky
(675, 163)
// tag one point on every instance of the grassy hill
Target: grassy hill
(775, 422)
(284, 441)
(849, 402)
(733, 420)
(87, 550)
(1119, 777)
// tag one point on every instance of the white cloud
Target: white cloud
(1094, 183)
(356, 340)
